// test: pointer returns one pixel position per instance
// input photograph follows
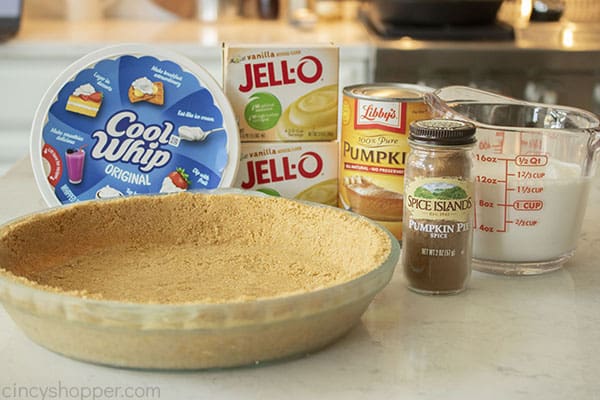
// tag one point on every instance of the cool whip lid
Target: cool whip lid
(131, 119)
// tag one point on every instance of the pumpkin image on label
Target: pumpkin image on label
(132, 120)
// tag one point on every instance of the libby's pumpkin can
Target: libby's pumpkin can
(374, 146)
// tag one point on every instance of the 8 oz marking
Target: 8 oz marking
(488, 204)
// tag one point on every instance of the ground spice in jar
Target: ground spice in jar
(438, 206)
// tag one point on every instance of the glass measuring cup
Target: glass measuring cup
(533, 165)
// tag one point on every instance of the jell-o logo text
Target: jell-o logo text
(266, 74)
(272, 170)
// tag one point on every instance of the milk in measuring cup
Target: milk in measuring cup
(526, 213)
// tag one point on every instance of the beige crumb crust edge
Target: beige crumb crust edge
(378, 240)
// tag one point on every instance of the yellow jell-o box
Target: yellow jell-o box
(300, 170)
(283, 93)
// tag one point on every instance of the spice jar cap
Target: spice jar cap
(442, 132)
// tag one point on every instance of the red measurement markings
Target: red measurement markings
(531, 160)
(530, 175)
(526, 222)
(505, 194)
(487, 228)
(527, 160)
(528, 205)
(529, 189)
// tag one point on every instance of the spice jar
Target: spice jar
(438, 206)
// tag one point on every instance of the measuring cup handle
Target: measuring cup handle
(437, 106)
(442, 101)
(593, 147)
(594, 142)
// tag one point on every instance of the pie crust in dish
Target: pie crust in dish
(191, 280)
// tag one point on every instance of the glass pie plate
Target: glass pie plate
(189, 335)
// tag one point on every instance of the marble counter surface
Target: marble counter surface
(504, 338)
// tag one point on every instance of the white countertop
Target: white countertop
(504, 338)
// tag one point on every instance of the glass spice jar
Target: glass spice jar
(437, 230)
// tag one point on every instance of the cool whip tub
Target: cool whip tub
(304, 171)
(283, 93)
(132, 119)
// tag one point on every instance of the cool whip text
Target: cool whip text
(126, 139)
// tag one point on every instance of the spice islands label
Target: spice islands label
(448, 199)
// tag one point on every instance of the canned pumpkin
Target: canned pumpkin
(373, 148)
